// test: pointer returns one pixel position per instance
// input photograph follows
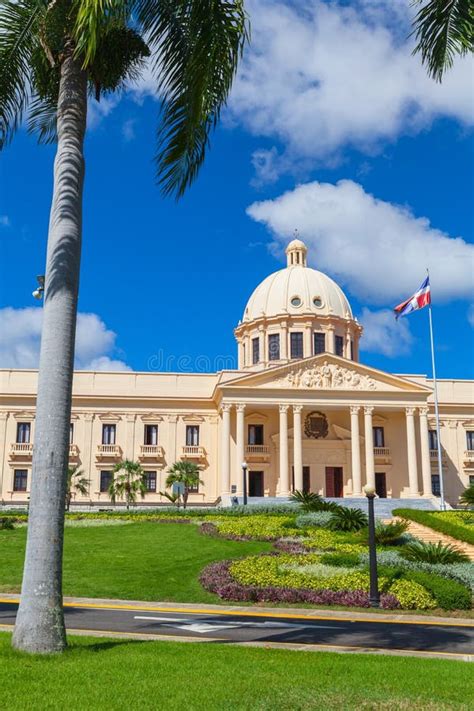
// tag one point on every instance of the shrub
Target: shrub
(346, 519)
(309, 501)
(258, 527)
(449, 594)
(6, 523)
(412, 595)
(389, 534)
(452, 523)
(313, 519)
(341, 560)
(433, 553)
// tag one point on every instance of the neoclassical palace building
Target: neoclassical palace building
(301, 410)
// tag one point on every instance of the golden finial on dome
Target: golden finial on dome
(296, 252)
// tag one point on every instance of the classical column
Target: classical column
(3, 443)
(355, 448)
(284, 488)
(262, 337)
(297, 447)
(240, 446)
(369, 446)
(425, 452)
(331, 344)
(347, 349)
(308, 346)
(225, 450)
(411, 448)
(284, 341)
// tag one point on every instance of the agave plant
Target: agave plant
(346, 519)
(433, 553)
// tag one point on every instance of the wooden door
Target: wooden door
(334, 482)
(381, 484)
(255, 483)
(306, 479)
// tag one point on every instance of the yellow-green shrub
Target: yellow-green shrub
(412, 596)
(258, 526)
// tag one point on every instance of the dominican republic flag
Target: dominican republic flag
(419, 299)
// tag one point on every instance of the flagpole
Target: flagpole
(435, 386)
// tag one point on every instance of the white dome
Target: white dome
(297, 290)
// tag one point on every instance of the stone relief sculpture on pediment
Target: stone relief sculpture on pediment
(327, 376)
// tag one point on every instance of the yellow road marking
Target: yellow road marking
(242, 613)
(301, 646)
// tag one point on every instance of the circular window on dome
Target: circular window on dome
(318, 302)
(295, 301)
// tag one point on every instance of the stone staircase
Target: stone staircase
(423, 533)
(383, 507)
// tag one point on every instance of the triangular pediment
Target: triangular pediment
(326, 372)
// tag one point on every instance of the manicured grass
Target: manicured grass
(136, 561)
(110, 674)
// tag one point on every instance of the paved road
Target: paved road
(456, 639)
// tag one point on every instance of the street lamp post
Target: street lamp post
(244, 481)
(374, 594)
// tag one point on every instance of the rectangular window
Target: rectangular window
(471, 479)
(105, 481)
(433, 439)
(151, 434)
(192, 435)
(296, 345)
(340, 346)
(194, 489)
(435, 487)
(319, 343)
(255, 434)
(255, 350)
(274, 346)
(23, 431)
(470, 440)
(150, 481)
(71, 433)
(20, 479)
(379, 437)
(352, 350)
(108, 434)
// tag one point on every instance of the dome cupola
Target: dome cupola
(296, 312)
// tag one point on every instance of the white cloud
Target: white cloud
(321, 77)
(378, 250)
(383, 334)
(470, 315)
(21, 336)
(128, 130)
(5, 221)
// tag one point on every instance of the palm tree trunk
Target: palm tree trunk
(40, 621)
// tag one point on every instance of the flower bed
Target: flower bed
(261, 527)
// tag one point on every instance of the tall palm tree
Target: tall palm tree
(128, 481)
(54, 54)
(443, 29)
(76, 483)
(186, 473)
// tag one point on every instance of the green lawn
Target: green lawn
(114, 674)
(135, 561)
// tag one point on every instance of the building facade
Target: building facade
(301, 410)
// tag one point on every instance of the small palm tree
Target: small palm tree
(443, 29)
(467, 497)
(76, 484)
(128, 481)
(186, 473)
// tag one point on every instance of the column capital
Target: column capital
(368, 409)
(330, 327)
(89, 416)
(355, 409)
(423, 411)
(240, 406)
(226, 407)
(4, 415)
(283, 408)
(410, 411)
(172, 418)
(297, 408)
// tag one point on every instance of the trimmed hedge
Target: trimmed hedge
(435, 521)
(449, 594)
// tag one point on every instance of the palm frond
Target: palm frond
(19, 21)
(91, 18)
(196, 46)
(443, 29)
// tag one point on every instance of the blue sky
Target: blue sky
(171, 279)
